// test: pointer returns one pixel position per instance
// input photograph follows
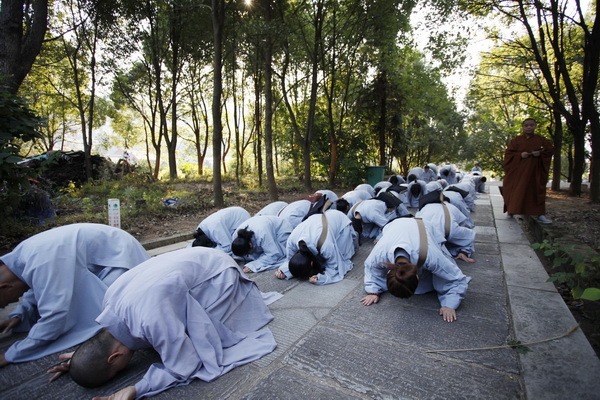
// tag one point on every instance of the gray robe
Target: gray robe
(196, 308)
(68, 270)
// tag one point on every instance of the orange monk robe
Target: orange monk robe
(525, 179)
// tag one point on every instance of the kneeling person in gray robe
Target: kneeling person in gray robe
(193, 306)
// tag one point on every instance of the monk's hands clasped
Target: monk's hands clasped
(61, 368)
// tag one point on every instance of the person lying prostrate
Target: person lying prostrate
(367, 188)
(416, 189)
(460, 241)
(217, 229)
(193, 306)
(324, 265)
(62, 275)
(273, 208)
(349, 199)
(392, 266)
(261, 242)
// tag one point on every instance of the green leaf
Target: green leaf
(580, 268)
(577, 292)
(592, 294)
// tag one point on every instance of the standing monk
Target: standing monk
(526, 165)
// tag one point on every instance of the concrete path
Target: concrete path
(332, 347)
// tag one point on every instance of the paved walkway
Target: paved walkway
(332, 347)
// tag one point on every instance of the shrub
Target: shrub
(577, 269)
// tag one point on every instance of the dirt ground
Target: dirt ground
(577, 214)
(153, 228)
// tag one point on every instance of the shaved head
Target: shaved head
(91, 364)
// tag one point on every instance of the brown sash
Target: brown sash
(323, 233)
(423, 242)
(354, 208)
(446, 216)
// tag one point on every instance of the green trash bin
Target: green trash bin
(375, 174)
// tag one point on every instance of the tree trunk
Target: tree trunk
(312, 103)
(269, 109)
(23, 26)
(258, 122)
(558, 142)
(381, 126)
(595, 160)
(218, 21)
(578, 132)
(570, 160)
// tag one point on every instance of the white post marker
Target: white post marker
(114, 213)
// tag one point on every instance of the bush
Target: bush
(579, 270)
(18, 125)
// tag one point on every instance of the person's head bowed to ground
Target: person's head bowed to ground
(393, 265)
(62, 274)
(193, 306)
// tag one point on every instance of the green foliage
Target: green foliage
(577, 269)
(18, 125)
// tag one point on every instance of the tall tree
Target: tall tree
(81, 33)
(385, 21)
(23, 26)
(550, 27)
(218, 23)
(268, 54)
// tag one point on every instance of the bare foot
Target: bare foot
(463, 256)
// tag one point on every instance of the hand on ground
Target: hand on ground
(127, 393)
(247, 270)
(370, 299)
(448, 314)
(313, 279)
(279, 274)
(61, 368)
